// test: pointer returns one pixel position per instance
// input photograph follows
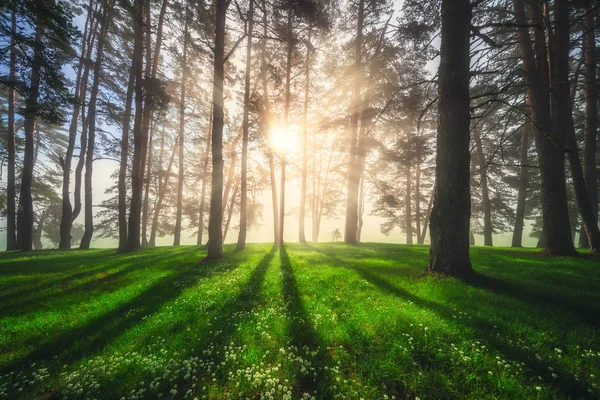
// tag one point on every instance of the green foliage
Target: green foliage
(322, 320)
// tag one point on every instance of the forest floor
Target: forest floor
(322, 320)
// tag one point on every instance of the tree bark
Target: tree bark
(408, 208)
(591, 117)
(241, 242)
(146, 107)
(122, 184)
(286, 111)
(147, 177)
(563, 121)
(11, 192)
(350, 231)
(215, 223)
(133, 230)
(31, 107)
(549, 140)
(66, 220)
(450, 217)
(485, 193)
(204, 179)
(89, 160)
(161, 195)
(302, 216)
(517, 238)
(177, 234)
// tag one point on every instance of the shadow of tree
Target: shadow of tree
(82, 341)
(303, 335)
(482, 330)
(111, 279)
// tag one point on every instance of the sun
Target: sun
(283, 141)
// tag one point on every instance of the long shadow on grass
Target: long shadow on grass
(229, 315)
(79, 342)
(63, 263)
(482, 330)
(17, 304)
(303, 334)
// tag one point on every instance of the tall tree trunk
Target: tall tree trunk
(133, 230)
(84, 117)
(11, 192)
(286, 112)
(204, 179)
(267, 119)
(408, 208)
(215, 223)
(31, 105)
(147, 177)
(563, 121)
(591, 116)
(485, 193)
(66, 219)
(302, 217)
(353, 173)
(450, 217)
(549, 140)
(517, 238)
(122, 184)
(418, 197)
(89, 159)
(177, 235)
(162, 190)
(241, 242)
(140, 150)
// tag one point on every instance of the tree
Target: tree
(215, 233)
(241, 243)
(450, 215)
(11, 234)
(48, 27)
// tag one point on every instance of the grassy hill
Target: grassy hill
(327, 321)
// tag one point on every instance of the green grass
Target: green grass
(323, 320)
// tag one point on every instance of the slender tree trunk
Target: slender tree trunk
(147, 178)
(408, 208)
(231, 170)
(31, 105)
(133, 231)
(450, 217)
(353, 173)
(215, 223)
(548, 139)
(66, 220)
(161, 195)
(89, 212)
(11, 192)
(517, 239)
(122, 184)
(177, 238)
(267, 119)
(302, 217)
(418, 198)
(485, 193)
(230, 210)
(241, 242)
(204, 179)
(286, 111)
(591, 116)
(313, 203)
(427, 216)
